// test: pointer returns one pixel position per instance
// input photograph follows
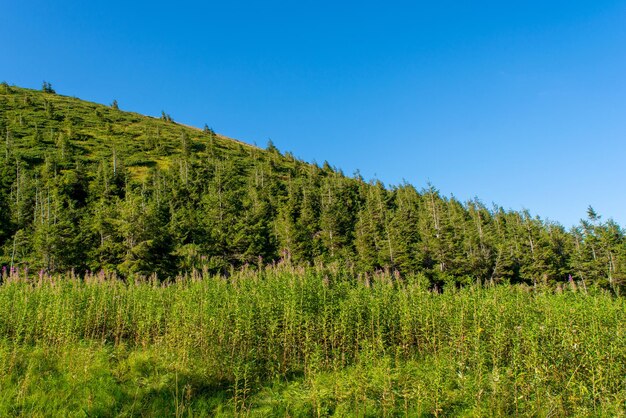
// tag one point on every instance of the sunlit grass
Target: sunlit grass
(298, 342)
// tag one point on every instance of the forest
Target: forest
(150, 268)
(88, 187)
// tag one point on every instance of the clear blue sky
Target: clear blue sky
(521, 103)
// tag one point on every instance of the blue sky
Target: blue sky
(521, 103)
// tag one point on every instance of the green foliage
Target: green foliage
(208, 130)
(87, 186)
(307, 342)
(47, 88)
(166, 117)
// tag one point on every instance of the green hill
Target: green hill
(86, 186)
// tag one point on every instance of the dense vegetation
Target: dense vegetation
(154, 269)
(89, 187)
(287, 341)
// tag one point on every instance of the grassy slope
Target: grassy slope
(97, 131)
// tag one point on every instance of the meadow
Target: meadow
(287, 341)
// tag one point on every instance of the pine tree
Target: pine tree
(47, 88)
(166, 117)
(185, 146)
(403, 231)
(208, 131)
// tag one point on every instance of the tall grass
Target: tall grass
(301, 342)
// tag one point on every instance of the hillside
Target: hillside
(85, 186)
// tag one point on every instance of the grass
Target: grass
(95, 131)
(306, 342)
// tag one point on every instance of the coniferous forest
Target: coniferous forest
(151, 268)
(87, 187)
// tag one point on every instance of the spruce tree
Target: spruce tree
(47, 88)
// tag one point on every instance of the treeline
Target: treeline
(89, 187)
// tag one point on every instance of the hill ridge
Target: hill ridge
(85, 186)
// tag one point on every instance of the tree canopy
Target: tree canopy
(89, 187)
